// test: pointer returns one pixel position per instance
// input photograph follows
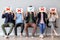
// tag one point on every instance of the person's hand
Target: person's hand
(3, 12)
(56, 16)
(26, 14)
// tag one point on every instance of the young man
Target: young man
(30, 22)
(42, 19)
(19, 20)
(9, 22)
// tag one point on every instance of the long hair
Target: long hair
(52, 14)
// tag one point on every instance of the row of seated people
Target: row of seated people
(30, 19)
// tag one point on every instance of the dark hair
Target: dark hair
(32, 12)
(30, 6)
(29, 12)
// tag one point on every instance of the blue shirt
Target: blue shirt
(19, 18)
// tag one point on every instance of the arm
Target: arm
(37, 17)
(14, 16)
(23, 16)
(26, 15)
(48, 15)
(34, 14)
(3, 14)
(56, 15)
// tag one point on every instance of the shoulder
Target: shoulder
(5, 14)
(45, 13)
(39, 13)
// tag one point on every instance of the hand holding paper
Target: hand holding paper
(7, 9)
(42, 9)
(30, 9)
(19, 10)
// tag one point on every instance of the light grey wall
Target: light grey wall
(25, 3)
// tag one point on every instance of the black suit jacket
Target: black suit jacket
(44, 17)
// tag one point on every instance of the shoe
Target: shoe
(33, 36)
(27, 36)
(56, 34)
(6, 36)
(15, 36)
(41, 36)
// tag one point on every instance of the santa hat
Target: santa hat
(53, 10)
(42, 9)
(19, 10)
(8, 9)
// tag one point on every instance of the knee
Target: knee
(34, 25)
(2, 25)
(26, 27)
(11, 25)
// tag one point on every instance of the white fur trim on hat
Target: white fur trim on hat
(42, 9)
(53, 9)
(19, 10)
(8, 9)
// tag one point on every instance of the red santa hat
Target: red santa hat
(42, 9)
(19, 10)
(53, 10)
(8, 9)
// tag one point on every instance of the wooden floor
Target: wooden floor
(30, 38)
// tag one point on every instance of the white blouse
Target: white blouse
(52, 18)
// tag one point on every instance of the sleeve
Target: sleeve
(14, 16)
(37, 15)
(56, 15)
(3, 15)
(46, 15)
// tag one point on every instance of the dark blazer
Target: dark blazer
(8, 18)
(44, 17)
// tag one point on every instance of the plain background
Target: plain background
(24, 4)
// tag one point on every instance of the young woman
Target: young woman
(52, 16)
(19, 22)
(30, 22)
